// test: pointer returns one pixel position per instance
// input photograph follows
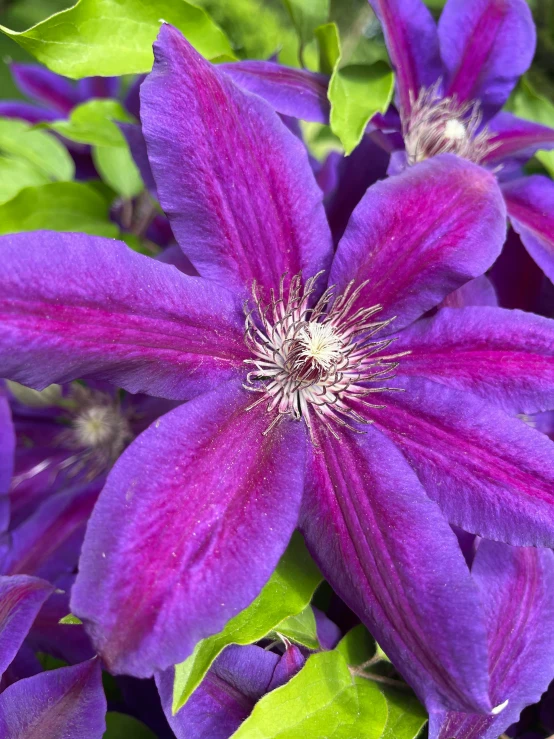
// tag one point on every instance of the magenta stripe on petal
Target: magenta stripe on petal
(506, 357)
(235, 183)
(387, 550)
(517, 587)
(67, 702)
(413, 45)
(77, 306)
(189, 527)
(295, 92)
(530, 202)
(420, 235)
(490, 473)
(21, 598)
(515, 137)
(486, 46)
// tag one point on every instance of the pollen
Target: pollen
(320, 343)
(316, 359)
(455, 130)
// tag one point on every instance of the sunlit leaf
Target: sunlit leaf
(114, 37)
(287, 593)
(357, 93)
(323, 701)
(301, 629)
(93, 123)
(58, 206)
(121, 726)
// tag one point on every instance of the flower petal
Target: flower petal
(486, 45)
(364, 167)
(506, 357)
(236, 184)
(207, 503)
(26, 111)
(295, 92)
(479, 291)
(517, 587)
(98, 87)
(290, 663)
(76, 306)
(411, 36)
(68, 702)
(67, 642)
(21, 598)
(387, 551)
(420, 235)
(530, 202)
(7, 452)
(491, 474)
(45, 87)
(48, 543)
(237, 679)
(515, 137)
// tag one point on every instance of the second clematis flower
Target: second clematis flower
(452, 81)
(294, 412)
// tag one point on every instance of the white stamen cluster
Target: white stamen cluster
(443, 125)
(316, 361)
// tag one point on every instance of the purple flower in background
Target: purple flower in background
(53, 96)
(452, 81)
(198, 510)
(517, 588)
(68, 702)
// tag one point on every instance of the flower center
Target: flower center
(316, 362)
(442, 125)
(95, 430)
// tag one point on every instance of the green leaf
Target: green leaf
(287, 593)
(70, 619)
(38, 148)
(93, 123)
(301, 628)
(323, 701)
(58, 206)
(50, 663)
(328, 42)
(15, 175)
(306, 16)
(357, 646)
(121, 726)
(118, 169)
(114, 37)
(257, 28)
(357, 93)
(406, 715)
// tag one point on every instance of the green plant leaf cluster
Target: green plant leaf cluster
(288, 593)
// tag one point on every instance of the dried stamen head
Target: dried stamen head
(95, 429)
(442, 125)
(319, 360)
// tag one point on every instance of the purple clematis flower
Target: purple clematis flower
(517, 588)
(68, 702)
(53, 96)
(199, 508)
(239, 677)
(452, 81)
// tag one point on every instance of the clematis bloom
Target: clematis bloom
(452, 81)
(199, 508)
